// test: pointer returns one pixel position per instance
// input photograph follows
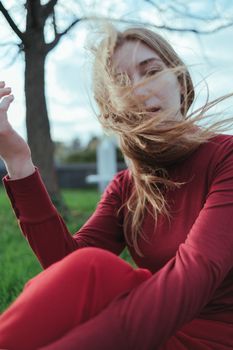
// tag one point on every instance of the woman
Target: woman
(173, 208)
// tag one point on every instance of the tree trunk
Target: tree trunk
(38, 128)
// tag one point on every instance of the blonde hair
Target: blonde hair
(149, 144)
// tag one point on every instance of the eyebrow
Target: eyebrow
(144, 63)
(149, 60)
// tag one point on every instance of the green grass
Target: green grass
(17, 261)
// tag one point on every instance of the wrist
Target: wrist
(19, 168)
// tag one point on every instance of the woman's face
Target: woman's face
(139, 61)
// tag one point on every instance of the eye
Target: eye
(152, 71)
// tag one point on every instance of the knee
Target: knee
(91, 260)
(82, 261)
(101, 262)
(93, 255)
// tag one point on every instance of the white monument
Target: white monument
(106, 157)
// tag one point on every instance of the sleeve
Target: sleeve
(45, 229)
(146, 317)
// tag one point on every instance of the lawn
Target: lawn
(17, 261)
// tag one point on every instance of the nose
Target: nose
(140, 90)
(144, 94)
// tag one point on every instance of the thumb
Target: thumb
(5, 103)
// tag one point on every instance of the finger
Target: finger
(5, 103)
(5, 91)
(2, 84)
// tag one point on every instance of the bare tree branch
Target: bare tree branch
(12, 23)
(54, 23)
(48, 9)
(160, 9)
(185, 13)
(191, 15)
(165, 27)
(58, 36)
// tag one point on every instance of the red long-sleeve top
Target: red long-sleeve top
(190, 255)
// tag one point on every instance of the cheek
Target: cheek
(171, 88)
(165, 87)
(165, 84)
(171, 81)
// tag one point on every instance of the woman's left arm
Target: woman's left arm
(146, 317)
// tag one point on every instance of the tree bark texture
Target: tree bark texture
(37, 121)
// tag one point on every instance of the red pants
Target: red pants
(65, 295)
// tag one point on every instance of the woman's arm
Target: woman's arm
(39, 220)
(45, 229)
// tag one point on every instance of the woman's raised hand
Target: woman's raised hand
(14, 151)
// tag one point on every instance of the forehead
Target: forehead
(131, 53)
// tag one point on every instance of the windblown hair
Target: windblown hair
(150, 144)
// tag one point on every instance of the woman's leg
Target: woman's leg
(147, 316)
(66, 294)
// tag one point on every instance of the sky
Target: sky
(68, 80)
